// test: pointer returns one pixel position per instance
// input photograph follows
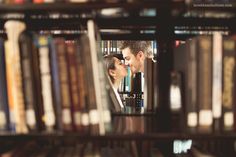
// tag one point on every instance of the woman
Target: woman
(116, 69)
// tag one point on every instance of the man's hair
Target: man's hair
(136, 46)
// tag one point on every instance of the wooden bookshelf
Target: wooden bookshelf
(88, 6)
(163, 24)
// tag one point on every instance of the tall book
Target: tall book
(191, 86)
(176, 101)
(73, 82)
(46, 82)
(186, 54)
(82, 90)
(61, 59)
(37, 85)
(217, 62)
(14, 76)
(228, 92)
(26, 48)
(204, 82)
(4, 112)
(89, 89)
(101, 82)
(56, 83)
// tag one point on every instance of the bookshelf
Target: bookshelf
(163, 24)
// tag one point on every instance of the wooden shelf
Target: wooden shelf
(82, 137)
(88, 6)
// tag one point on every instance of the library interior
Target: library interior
(117, 78)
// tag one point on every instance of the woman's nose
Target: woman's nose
(126, 63)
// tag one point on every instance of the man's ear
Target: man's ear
(140, 55)
(111, 72)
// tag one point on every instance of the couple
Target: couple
(134, 53)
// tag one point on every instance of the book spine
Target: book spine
(217, 81)
(191, 86)
(90, 89)
(14, 76)
(4, 112)
(56, 83)
(19, 1)
(105, 47)
(9, 79)
(98, 112)
(205, 84)
(37, 80)
(73, 80)
(64, 84)
(82, 89)
(38, 1)
(228, 102)
(46, 82)
(100, 82)
(28, 82)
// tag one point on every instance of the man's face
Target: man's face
(134, 62)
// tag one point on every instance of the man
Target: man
(135, 52)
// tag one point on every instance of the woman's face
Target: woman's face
(120, 68)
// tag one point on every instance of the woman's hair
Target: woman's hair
(110, 64)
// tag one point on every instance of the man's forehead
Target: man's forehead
(126, 52)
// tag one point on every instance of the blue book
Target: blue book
(4, 112)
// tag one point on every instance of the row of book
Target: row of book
(49, 83)
(205, 89)
(50, 1)
(106, 149)
(56, 1)
(112, 47)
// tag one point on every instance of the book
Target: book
(73, 84)
(89, 89)
(81, 89)
(26, 49)
(63, 76)
(49, 117)
(176, 101)
(56, 87)
(228, 90)
(14, 76)
(4, 111)
(100, 82)
(191, 86)
(204, 82)
(217, 65)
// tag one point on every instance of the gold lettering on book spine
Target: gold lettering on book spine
(229, 65)
(205, 67)
(74, 85)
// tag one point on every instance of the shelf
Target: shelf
(77, 7)
(212, 8)
(135, 114)
(119, 137)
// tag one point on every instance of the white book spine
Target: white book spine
(217, 76)
(17, 114)
(49, 115)
(91, 35)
